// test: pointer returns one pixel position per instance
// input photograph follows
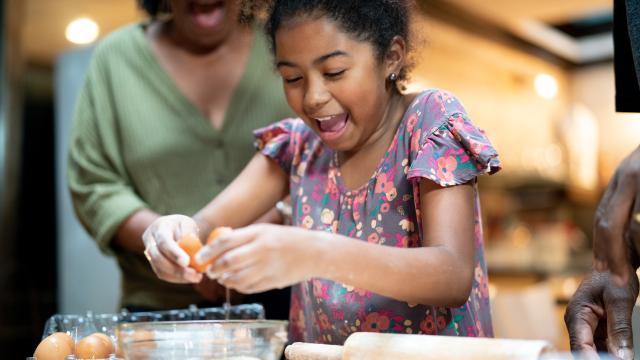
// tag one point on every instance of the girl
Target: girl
(387, 233)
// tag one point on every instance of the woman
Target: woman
(162, 124)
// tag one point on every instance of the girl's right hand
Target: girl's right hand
(167, 259)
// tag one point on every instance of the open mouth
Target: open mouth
(207, 14)
(332, 123)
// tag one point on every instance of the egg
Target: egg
(94, 346)
(191, 244)
(56, 346)
(217, 232)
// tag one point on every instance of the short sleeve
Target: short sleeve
(101, 192)
(276, 141)
(449, 149)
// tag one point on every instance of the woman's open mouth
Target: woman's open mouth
(207, 14)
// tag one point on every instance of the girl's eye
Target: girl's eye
(292, 80)
(334, 74)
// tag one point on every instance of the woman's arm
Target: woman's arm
(263, 257)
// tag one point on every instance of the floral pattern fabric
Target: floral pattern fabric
(435, 140)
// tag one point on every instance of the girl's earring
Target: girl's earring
(393, 77)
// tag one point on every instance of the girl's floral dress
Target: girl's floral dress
(435, 140)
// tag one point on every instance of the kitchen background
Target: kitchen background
(536, 75)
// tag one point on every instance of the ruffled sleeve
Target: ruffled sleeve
(276, 141)
(453, 150)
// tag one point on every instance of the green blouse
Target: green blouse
(139, 142)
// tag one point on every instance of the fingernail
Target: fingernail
(202, 256)
(183, 261)
(625, 353)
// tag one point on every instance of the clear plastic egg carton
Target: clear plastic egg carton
(80, 326)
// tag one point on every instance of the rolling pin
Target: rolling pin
(375, 346)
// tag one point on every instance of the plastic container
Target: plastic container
(79, 326)
(226, 339)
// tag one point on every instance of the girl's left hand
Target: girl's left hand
(261, 257)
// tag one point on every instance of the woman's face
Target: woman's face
(205, 23)
(332, 81)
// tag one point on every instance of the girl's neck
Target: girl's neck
(382, 135)
(357, 166)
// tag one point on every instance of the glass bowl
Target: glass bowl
(203, 339)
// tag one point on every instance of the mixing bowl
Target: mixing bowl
(203, 339)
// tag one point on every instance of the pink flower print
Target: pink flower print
(411, 122)
(338, 314)
(471, 331)
(457, 121)
(319, 290)
(373, 238)
(446, 166)
(375, 322)
(361, 292)
(382, 185)
(306, 208)
(415, 140)
(324, 321)
(384, 207)
(476, 147)
(402, 241)
(334, 193)
(428, 326)
(441, 322)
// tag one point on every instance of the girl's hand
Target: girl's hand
(167, 259)
(262, 257)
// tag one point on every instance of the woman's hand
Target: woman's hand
(167, 259)
(617, 221)
(262, 257)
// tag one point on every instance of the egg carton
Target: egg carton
(81, 325)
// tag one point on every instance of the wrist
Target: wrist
(320, 255)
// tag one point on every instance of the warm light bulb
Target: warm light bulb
(82, 31)
(546, 86)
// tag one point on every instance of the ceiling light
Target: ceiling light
(546, 86)
(82, 31)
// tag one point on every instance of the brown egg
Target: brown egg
(94, 346)
(56, 346)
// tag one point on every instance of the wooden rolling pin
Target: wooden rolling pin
(374, 346)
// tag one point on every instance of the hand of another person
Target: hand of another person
(598, 316)
(617, 221)
(167, 259)
(261, 257)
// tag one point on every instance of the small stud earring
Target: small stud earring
(393, 77)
